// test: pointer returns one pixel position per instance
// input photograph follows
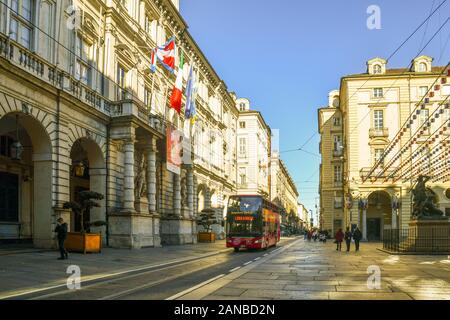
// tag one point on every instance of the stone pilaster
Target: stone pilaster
(176, 194)
(128, 194)
(190, 190)
(151, 176)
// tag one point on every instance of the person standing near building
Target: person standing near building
(348, 238)
(338, 239)
(357, 236)
(61, 234)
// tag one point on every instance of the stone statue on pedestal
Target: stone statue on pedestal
(140, 180)
(423, 206)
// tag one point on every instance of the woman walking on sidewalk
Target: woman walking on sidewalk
(348, 238)
(338, 239)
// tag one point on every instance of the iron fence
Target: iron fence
(423, 239)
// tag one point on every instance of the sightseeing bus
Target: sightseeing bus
(252, 223)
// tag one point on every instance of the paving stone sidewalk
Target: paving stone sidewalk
(30, 269)
(313, 270)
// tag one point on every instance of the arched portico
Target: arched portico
(26, 195)
(87, 172)
(379, 215)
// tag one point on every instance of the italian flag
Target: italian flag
(175, 98)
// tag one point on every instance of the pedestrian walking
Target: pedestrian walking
(305, 234)
(61, 234)
(357, 236)
(339, 236)
(348, 238)
(309, 235)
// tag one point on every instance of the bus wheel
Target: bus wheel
(236, 249)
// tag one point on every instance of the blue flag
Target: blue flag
(191, 93)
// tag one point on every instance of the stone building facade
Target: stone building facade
(253, 151)
(76, 92)
(331, 187)
(283, 191)
(364, 118)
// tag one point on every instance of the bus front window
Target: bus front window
(244, 216)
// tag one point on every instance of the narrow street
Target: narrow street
(159, 280)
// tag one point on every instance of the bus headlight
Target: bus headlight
(258, 241)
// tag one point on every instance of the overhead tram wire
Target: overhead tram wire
(407, 175)
(429, 156)
(413, 136)
(409, 159)
(387, 60)
(407, 70)
(405, 146)
(390, 145)
(75, 55)
(61, 45)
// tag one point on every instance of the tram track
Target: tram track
(152, 282)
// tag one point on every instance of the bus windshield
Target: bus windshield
(244, 216)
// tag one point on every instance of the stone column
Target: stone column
(98, 184)
(190, 190)
(128, 187)
(364, 224)
(151, 176)
(176, 194)
(394, 219)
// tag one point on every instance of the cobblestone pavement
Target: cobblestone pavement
(314, 270)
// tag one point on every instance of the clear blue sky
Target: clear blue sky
(286, 55)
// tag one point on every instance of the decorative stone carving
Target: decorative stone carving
(140, 180)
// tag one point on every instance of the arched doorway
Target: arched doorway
(26, 180)
(379, 214)
(87, 172)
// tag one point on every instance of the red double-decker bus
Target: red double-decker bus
(252, 223)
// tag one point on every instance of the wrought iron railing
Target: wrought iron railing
(422, 239)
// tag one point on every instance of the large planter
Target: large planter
(83, 242)
(206, 237)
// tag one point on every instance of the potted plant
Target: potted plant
(83, 241)
(206, 219)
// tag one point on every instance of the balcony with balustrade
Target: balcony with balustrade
(378, 133)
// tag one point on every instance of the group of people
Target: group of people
(340, 236)
(315, 235)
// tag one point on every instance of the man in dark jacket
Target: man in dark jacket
(61, 231)
(357, 235)
(348, 238)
